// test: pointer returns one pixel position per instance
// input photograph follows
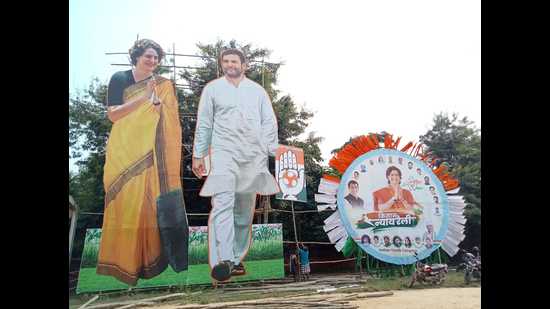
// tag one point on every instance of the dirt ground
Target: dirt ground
(448, 298)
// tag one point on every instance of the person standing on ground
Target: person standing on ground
(304, 261)
(293, 264)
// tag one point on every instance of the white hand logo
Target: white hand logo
(291, 175)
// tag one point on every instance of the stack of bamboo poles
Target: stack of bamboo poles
(336, 301)
(318, 285)
(323, 292)
(131, 303)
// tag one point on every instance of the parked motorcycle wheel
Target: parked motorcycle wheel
(438, 280)
(413, 280)
(477, 275)
(443, 277)
(467, 277)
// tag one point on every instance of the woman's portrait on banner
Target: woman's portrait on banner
(399, 200)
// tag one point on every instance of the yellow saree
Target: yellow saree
(141, 178)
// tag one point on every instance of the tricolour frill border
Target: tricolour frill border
(342, 159)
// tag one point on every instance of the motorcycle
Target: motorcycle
(471, 266)
(425, 273)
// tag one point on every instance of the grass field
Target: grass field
(259, 250)
(263, 261)
(89, 281)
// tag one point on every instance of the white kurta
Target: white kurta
(240, 127)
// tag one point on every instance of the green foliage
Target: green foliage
(198, 253)
(89, 129)
(267, 244)
(91, 248)
(198, 237)
(266, 233)
(458, 142)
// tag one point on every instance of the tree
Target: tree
(89, 128)
(458, 142)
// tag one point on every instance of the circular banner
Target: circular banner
(393, 205)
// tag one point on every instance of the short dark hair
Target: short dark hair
(139, 48)
(351, 182)
(233, 51)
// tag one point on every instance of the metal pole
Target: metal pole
(263, 73)
(72, 231)
(267, 206)
(439, 255)
(174, 62)
(296, 240)
(218, 67)
(360, 256)
(294, 221)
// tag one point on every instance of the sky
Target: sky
(361, 66)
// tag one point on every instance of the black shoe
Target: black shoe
(222, 271)
(238, 270)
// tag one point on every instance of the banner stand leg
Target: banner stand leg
(296, 240)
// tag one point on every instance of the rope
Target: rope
(335, 261)
(300, 211)
(308, 242)
(206, 214)
(327, 262)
